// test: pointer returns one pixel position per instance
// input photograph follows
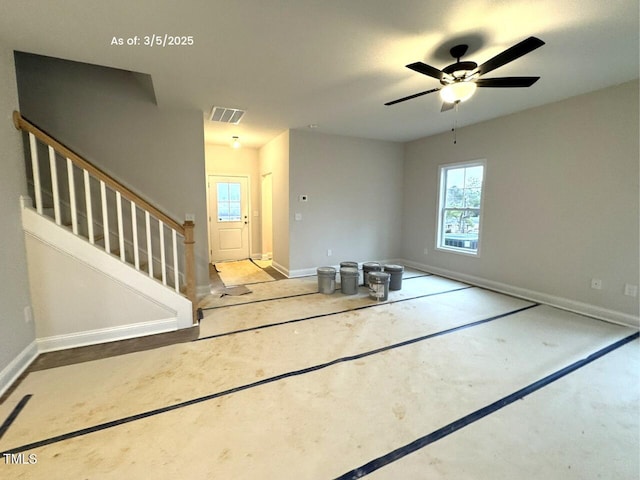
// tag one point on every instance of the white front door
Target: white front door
(228, 218)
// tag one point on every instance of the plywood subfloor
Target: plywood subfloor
(288, 383)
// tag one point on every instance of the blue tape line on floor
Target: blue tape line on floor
(260, 301)
(321, 315)
(422, 442)
(14, 414)
(158, 411)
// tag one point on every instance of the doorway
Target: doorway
(228, 217)
(267, 216)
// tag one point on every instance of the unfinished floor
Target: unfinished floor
(443, 381)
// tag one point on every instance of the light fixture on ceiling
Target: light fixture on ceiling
(235, 142)
(458, 91)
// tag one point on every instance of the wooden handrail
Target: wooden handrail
(23, 124)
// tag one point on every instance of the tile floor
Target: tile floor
(443, 381)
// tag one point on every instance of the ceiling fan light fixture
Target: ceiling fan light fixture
(458, 92)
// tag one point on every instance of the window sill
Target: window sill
(459, 251)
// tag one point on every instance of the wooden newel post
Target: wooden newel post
(190, 265)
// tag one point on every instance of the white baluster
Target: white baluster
(149, 253)
(33, 146)
(87, 200)
(72, 197)
(176, 278)
(54, 185)
(163, 264)
(120, 226)
(105, 217)
(134, 229)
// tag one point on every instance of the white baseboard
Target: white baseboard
(281, 269)
(261, 256)
(103, 335)
(582, 308)
(304, 272)
(18, 365)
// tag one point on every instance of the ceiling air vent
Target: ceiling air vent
(226, 115)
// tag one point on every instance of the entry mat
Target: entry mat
(241, 272)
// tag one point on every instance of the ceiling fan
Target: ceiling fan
(460, 79)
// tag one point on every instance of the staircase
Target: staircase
(117, 228)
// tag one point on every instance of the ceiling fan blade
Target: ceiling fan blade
(412, 96)
(507, 82)
(510, 54)
(447, 106)
(425, 69)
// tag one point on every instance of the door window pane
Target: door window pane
(229, 202)
(234, 192)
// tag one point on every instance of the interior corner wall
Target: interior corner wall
(354, 207)
(274, 159)
(224, 160)
(108, 117)
(560, 199)
(15, 335)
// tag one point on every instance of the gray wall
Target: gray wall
(15, 334)
(355, 199)
(561, 198)
(274, 159)
(109, 117)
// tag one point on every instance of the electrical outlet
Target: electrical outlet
(329, 253)
(631, 290)
(596, 284)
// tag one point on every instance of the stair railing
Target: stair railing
(170, 268)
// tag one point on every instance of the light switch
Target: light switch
(298, 217)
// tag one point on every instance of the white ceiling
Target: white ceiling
(334, 63)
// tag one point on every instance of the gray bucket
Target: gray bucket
(396, 276)
(349, 280)
(351, 265)
(369, 267)
(326, 280)
(379, 286)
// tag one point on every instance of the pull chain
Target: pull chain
(455, 124)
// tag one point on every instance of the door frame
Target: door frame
(210, 216)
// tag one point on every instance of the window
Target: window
(229, 205)
(460, 207)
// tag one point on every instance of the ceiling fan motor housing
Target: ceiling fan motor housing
(460, 70)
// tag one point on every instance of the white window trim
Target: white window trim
(441, 198)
